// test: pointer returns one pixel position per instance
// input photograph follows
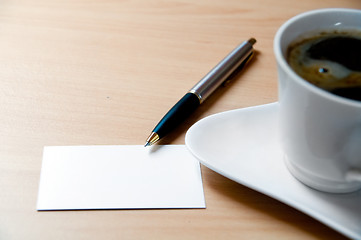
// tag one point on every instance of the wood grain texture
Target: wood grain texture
(104, 72)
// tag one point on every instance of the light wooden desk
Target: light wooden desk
(104, 72)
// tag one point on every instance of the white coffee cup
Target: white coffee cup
(320, 131)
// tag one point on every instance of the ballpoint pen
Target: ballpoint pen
(220, 74)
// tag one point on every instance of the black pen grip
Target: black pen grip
(177, 114)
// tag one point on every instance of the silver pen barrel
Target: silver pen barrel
(210, 82)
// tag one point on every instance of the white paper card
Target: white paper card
(119, 177)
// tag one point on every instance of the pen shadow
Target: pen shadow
(251, 199)
(155, 148)
(180, 131)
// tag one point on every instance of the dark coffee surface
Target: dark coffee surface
(341, 49)
(331, 61)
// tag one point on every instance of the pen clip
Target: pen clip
(238, 69)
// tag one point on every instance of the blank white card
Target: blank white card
(119, 177)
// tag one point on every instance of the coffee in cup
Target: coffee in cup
(330, 60)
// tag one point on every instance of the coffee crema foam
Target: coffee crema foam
(329, 60)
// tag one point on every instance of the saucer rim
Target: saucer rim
(284, 199)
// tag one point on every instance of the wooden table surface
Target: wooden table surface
(78, 72)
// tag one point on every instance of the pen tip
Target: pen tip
(153, 138)
(252, 41)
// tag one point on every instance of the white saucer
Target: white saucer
(243, 145)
